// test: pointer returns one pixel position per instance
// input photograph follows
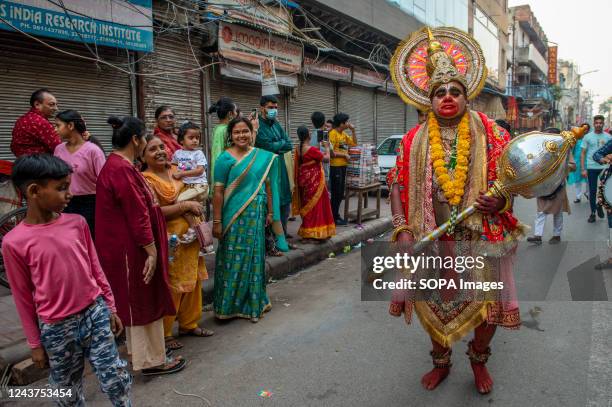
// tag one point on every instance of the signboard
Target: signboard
(252, 47)
(365, 77)
(270, 16)
(552, 65)
(124, 24)
(269, 85)
(251, 73)
(327, 70)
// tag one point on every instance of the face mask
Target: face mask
(271, 113)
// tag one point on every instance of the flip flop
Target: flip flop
(172, 343)
(160, 371)
(199, 332)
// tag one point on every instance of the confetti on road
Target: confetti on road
(265, 393)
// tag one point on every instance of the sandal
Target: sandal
(275, 253)
(172, 343)
(199, 332)
(171, 366)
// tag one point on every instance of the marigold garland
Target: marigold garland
(453, 189)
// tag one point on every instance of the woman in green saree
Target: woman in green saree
(245, 201)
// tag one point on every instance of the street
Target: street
(322, 346)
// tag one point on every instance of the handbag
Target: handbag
(204, 234)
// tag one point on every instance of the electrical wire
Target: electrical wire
(102, 61)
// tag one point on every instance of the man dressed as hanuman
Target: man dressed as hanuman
(444, 165)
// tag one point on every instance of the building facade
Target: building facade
(528, 77)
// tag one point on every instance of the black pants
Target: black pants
(593, 176)
(84, 205)
(337, 179)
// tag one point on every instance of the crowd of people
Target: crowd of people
(114, 241)
(587, 172)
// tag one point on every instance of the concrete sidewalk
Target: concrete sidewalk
(13, 348)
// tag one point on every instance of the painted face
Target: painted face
(166, 120)
(191, 139)
(449, 100)
(241, 135)
(155, 154)
(64, 129)
(48, 107)
(53, 195)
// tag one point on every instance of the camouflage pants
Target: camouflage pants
(86, 335)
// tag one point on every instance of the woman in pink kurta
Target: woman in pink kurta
(130, 237)
(86, 160)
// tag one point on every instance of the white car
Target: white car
(387, 153)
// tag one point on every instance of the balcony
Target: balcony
(532, 92)
(532, 57)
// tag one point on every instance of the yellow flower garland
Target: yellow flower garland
(453, 189)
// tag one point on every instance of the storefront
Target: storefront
(391, 114)
(97, 91)
(172, 77)
(88, 70)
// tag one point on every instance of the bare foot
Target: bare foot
(484, 383)
(432, 379)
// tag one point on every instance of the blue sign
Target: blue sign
(91, 21)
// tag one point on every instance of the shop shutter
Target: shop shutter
(412, 118)
(97, 91)
(390, 115)
(312, 95)
(181, 91)
(245, 94)
(358, 103)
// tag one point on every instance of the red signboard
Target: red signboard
(552, 65)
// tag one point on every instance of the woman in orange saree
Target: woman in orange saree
(310, 197)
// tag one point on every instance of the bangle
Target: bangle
(398, 220)
(215, 221)
(398, 230)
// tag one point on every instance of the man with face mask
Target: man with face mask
(444, 165)
(272, 137)
(33, 132)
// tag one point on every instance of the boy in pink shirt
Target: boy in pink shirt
(62, 296)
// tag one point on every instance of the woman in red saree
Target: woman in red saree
(311, 198)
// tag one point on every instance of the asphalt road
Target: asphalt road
(322, 346)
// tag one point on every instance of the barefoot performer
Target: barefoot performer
(443, 166)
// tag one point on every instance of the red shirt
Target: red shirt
(33, 134)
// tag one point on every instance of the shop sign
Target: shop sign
(365, 77)
(252, 11)
(124, 24)
(243, 44)
(327, 70)
(253, 74)
(552, 65)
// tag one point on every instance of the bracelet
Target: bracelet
(507, 206)
(398, 230)
(398, 220)
(215, 221)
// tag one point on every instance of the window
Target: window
(389, 146)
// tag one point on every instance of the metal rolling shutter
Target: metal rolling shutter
(245, 94)
(390, 115)
(181, 91)
(313, 95)
(97, 91)
(358, 103)
(412, 118)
